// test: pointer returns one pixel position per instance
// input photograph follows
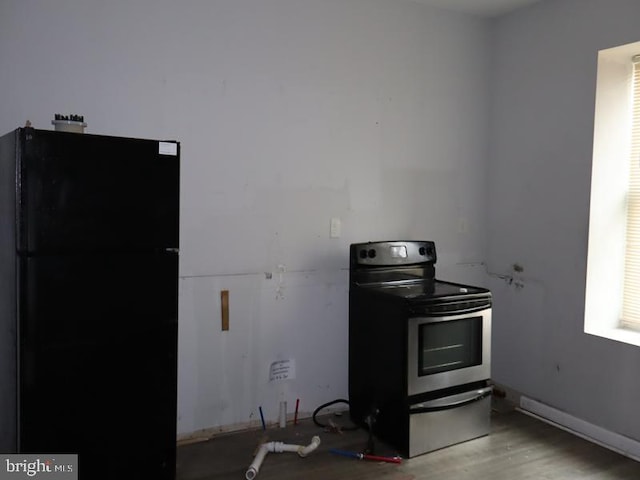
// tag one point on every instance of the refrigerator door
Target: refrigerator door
(95, 193)
(8, 331)
(98, 361)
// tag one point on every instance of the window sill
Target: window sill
(619, 334)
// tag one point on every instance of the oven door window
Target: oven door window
(449, 345)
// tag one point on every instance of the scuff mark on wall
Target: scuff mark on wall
(280, 289)
(513, 278)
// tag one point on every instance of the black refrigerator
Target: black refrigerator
(89, 301)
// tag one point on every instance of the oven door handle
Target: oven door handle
(438, 313)
(454, 401)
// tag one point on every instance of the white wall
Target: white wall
(543, 100)
(290, 112)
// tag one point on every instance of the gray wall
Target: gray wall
(290, 112)
(543, 97)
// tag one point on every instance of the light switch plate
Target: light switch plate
(335, 229)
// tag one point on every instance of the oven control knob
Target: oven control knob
(372, 253)
(423, 251)
(363, 254)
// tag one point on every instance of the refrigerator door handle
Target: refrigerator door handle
(453, 401)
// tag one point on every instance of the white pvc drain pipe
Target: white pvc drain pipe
(279, 447)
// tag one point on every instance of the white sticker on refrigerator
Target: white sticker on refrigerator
(168, 148)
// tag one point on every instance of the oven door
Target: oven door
(448, 351)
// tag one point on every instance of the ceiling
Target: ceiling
(485, 8)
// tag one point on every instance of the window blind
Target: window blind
(631, 295)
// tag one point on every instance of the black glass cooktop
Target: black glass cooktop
(428, 289)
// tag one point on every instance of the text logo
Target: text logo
(54, 467)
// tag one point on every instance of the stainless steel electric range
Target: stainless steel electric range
(419, 349)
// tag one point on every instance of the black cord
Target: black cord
(325, 405)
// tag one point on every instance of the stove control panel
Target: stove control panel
(393, 253)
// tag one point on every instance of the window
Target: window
(612, 301)
(631, 290)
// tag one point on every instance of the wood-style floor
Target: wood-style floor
(518, 448)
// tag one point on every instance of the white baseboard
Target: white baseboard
(613, 441)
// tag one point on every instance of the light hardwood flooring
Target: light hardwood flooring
(518, 448)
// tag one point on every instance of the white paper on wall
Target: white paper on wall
(282, 370)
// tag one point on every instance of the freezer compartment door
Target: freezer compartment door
(92, 193)
(98, 361)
